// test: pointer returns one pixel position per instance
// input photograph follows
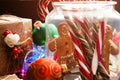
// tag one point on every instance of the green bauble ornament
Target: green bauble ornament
(39, 35)
(52, 31)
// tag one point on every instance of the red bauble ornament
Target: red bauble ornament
(44, 69)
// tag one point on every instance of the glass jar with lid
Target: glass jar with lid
(88, 34)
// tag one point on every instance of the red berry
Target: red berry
(7, 32)
(16, 51)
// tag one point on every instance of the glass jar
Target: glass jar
(87, 31)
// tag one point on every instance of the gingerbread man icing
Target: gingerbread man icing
(63, 47)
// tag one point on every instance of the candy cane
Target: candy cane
(84, 71)
(82, 25)
(97, 41)
(83, 64)
(42, 9)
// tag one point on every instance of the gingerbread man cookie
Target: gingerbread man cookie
(63, 47)
(108, 47)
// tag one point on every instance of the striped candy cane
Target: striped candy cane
(84, 71)
(97, 29)
(95, 57)
(42, 8)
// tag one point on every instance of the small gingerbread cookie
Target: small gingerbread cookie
(63, 47)
(108, 47)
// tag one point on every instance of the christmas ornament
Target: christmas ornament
(39, 32)
(44, 69)
(39, 36)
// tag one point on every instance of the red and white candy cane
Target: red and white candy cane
(42, 8)
(84, 71)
